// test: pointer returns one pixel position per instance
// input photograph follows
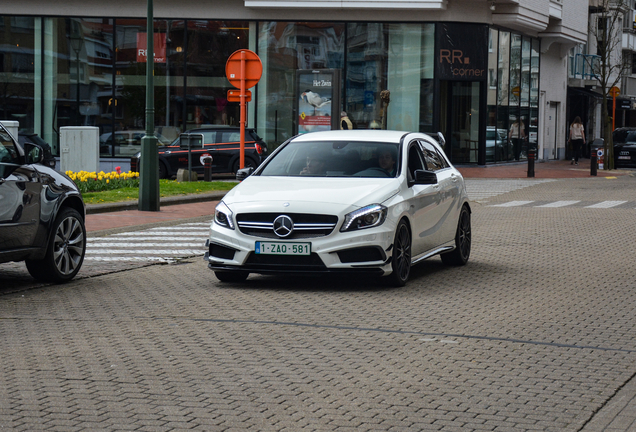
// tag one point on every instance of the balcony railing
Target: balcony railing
(585, 66)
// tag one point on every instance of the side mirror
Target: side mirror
(33, 153)
(441, 139)
(424, 177)
(244, 173)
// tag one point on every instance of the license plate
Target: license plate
(282, 248)
(624, 157)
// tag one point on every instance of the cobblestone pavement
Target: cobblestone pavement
(535, 333)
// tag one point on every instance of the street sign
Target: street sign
(235, 96)
(253, 68)
(243, 69)
(614, 91)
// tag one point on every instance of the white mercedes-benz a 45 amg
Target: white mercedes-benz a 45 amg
(364, 201)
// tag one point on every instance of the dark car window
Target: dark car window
(230, 136)
(8, 151)
(624, 136)
(434, 161)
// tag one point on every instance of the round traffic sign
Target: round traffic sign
(614, 91)
(253, 68)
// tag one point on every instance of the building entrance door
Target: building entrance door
(459, 120)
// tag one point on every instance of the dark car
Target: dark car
(222, 143)
(41, 213)
(624, 147)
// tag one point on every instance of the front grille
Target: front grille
(221, 251)
(305, 225)
(285, 262)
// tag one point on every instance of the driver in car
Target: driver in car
(315, 164)
(386, 160)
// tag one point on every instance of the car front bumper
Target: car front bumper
(363, 251)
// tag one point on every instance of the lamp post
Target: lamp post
(149, 163)
(77, 42)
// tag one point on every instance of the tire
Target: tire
(463, 240)
(249, 163)
(401, 255)
(231, 276)
(163, 170)
(64, 251)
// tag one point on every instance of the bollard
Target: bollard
(207, 169)
(593, 163)
(531, 154)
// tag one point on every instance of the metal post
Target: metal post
(531, 154)
(149, 164)
(593, 163)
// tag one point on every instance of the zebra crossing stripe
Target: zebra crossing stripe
(128, 259)
(512, 204)
(607, 204)
(123, 240)
(560, 204)
(142, 245)
(145, 252)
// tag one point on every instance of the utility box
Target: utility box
(12, 126)
(79, 148)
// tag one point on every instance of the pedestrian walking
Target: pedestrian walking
(577, 138)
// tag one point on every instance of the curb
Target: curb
(165, 201)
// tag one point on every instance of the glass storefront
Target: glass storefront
(91, 72)
(513, 96)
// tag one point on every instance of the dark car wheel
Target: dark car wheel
(65, 250)
(249, 163)
(163, 170)
(401, 257)
(463, 239)
(237, 276)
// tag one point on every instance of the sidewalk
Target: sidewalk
(104, 217)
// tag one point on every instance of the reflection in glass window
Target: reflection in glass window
(284, 48)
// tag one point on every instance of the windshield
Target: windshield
(335, 159)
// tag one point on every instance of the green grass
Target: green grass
(167, 188)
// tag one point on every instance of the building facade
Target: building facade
(491, 75)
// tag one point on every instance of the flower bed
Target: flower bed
(101, 181)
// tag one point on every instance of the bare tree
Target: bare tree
(606, 31)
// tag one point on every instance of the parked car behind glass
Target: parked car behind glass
(41, 213)
(220, 142)
(624, 147)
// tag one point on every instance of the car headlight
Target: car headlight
(366, 217)
(223, 216)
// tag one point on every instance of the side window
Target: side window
(230, 136)
(209, 137)
(8, 152)
(415, 160)
(434, 161)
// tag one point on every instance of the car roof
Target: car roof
(354, 135)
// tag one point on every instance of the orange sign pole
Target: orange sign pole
(614, 111)
(243, 103)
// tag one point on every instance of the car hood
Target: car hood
(311, 195)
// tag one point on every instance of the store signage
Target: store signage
(318, 102)
(159, 48)
(462, 52)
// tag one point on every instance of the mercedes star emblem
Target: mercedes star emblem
(283, 226)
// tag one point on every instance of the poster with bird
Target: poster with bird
(315, 108)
